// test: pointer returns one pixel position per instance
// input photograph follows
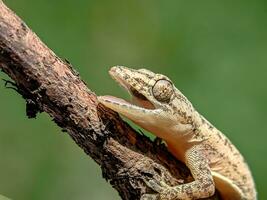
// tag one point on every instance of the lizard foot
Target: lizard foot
(164, 191)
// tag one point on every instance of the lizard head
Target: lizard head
(156, 106)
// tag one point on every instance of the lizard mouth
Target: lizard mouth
(139, 101)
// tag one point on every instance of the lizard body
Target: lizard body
(159, 107)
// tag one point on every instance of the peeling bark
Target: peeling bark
(49, 84)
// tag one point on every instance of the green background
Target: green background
(214, 51)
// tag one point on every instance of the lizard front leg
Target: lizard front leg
(203, 186)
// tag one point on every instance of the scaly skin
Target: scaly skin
(162, 109)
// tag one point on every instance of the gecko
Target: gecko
(160, 108)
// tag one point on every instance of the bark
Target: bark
(51, 85)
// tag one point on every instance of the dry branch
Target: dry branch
(49, 84)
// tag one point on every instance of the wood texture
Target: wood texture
(49, 84)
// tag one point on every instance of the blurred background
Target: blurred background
(214, 51)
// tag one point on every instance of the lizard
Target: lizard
(159, 107)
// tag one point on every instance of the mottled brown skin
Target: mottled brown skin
(163, 110)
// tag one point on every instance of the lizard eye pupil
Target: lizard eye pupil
(163, 90)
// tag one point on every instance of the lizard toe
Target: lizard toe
(149, 197)
(155, 185)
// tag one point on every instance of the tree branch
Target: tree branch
(50, 85)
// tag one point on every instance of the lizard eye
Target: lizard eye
(163, 90)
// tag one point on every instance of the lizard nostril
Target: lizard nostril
(114, 69)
